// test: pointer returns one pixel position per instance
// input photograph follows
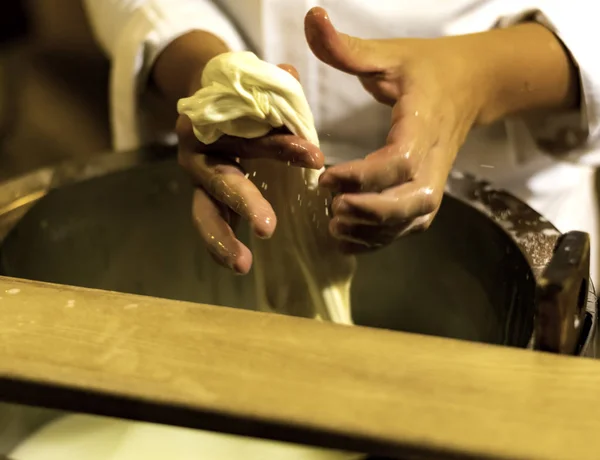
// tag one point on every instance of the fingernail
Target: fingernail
(235, 263)
(260, 233)
(264, 229)
(298, 153)
(316, 161)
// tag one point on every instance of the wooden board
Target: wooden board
(292, 379)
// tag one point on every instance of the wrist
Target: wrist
(523, 68)
(178, 69)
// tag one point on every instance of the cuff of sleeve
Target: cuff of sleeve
(169, 22)
(569, 134)
(150, 29)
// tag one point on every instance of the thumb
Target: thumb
(343, 52)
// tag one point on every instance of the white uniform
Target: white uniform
(350, 123)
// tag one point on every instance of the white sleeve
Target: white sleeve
(133, 33)
(576, 136)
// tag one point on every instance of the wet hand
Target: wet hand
(223, 192)
(397, 189)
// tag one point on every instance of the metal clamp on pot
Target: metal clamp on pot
(565, 312)
(562, 322)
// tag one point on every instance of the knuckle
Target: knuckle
(356, 176)
(405, 166)
(430, 201)
(381, 218)
(214, 185)
(406, 162)
(229, 194)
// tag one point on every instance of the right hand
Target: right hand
(222, 192)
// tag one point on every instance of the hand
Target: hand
(222, 191)
(438, 88)
(397, 189)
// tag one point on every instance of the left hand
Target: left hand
(223, 193)
(397, 189)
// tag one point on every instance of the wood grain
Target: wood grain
(292, 379)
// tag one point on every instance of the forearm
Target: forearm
(178, 68)
(523, 68)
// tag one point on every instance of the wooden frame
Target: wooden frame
(292, 379)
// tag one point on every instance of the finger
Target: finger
(225, 182)
(370, 175)
(226, 215)
(218, 235)
(350, 214)
(366, 232)
(367, 235)
(402, 203)
(277, 146)
(393, 207)
(290, 69)
(343, 52)
(408, 143)
(357, 238)
(231, 219)
(355, 247)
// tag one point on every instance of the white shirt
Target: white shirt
(350, 123)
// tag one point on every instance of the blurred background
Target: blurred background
(53, 86)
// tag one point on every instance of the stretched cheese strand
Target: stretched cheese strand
(298, 271)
